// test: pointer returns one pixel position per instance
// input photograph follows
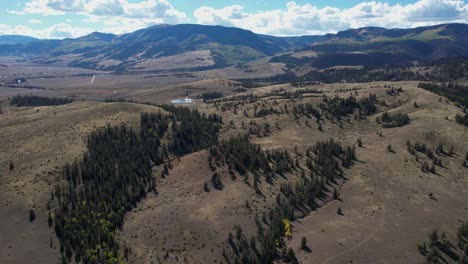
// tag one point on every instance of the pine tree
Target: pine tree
(216, 181)
(335, 194)
(32, 215)
(389, 148)
(304, 243)
(339, 211)
(50, 221)
(359, 141)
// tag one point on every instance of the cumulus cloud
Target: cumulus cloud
(304, 19)
(60, 31)
(34, 21)
(123, 16)
(115, 16)
(157, 10)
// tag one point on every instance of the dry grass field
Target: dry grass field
(385, 198)
(387, 209)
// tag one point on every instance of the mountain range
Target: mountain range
(217, 46)
(15, 39)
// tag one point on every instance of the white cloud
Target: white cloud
(117, 16)
(123, 16)
(61, 30)
(308, 19)
(34, 21)
(157, 10)
(16, 12)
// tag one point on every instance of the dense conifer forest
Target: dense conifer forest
(454, 92)
(244, 157)
(32, 100)
(115, 174)
(341, 107)
(447, 70)
(442, 71)
(209, 95)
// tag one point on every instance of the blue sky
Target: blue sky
(74, 18)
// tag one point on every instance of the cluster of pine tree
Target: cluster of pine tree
(191, 130)
(365, 74)
(32, 100)
(442, 71)
(449, 69)
(423, 148)
(210, 95)
(323, 162)
(341, 107)
(367, 105)
(440, 249)
(454, 92)
(246, 98)
(109, 180)
(394, 91)
(115, 174)
(245, 157)
(307, 110)
(389, 120)
(266, 112)
(119, 100)
(297, 93)
(261, 248)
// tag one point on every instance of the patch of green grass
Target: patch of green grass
(231, 55)
(426, 35)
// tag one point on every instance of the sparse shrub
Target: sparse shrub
(12, 166)
(206, 187)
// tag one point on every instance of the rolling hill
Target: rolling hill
(373, 46)
(227, 46)
(205, 47)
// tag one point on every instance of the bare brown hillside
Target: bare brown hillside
(389, 204)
